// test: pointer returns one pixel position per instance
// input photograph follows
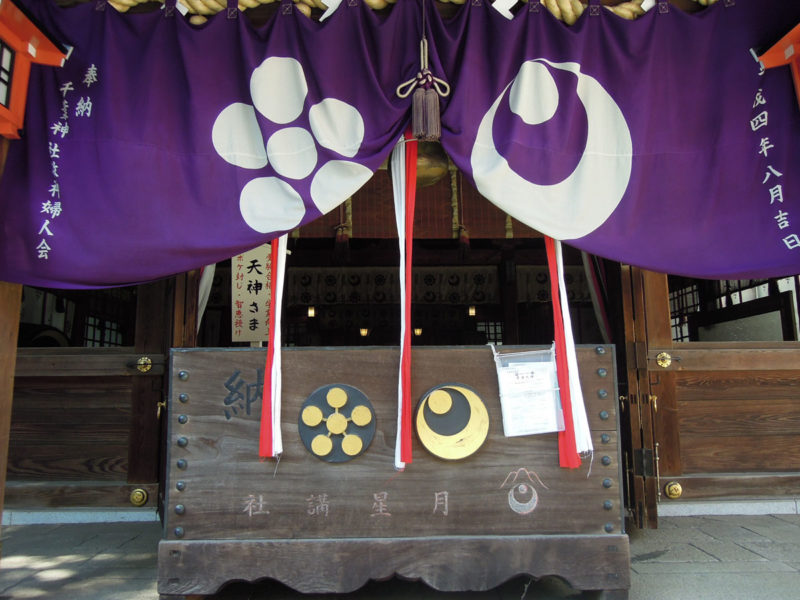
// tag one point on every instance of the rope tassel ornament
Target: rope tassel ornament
(426, 124)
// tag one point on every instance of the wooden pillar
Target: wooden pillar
(184, 320)
(10, 304)
(153, 326)
(166, 316)
(662, 383)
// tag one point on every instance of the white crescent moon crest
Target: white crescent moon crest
(523, 508)
(582, 202)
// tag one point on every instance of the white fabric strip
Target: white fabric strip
(399, 189)
(277, 303)
(204, 291)
(504, 7)
(583, 436)
(332, 6)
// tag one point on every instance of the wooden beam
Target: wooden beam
(45, 495)
(726, 357)
(736, 486)
(85, 362)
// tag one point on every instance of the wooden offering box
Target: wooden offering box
(319, 526)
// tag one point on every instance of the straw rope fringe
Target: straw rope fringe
(564, 10)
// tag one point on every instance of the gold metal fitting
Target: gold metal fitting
(144, 364)
(673, 490)
(138, 497)
(664, 359)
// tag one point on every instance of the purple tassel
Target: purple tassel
(433, 123)
(418, 129)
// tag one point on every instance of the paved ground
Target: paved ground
(697, 558)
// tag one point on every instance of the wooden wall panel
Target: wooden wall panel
(67, 428)
(373, 209)
(433, 216)
(762, 417)
(739, 454)
(481, 218)
(61, 462)
(750, 386)
(738, 421)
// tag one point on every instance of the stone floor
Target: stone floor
(697, 558)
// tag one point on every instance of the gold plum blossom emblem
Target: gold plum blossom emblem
(337, 423)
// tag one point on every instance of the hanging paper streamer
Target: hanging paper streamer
(411, 197)
(270, 440)
(404, 178)
(567, 446)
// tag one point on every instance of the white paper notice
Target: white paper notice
(529, 398)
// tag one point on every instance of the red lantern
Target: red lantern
(21, 44)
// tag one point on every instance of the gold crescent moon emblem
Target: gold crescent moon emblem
(463, 443)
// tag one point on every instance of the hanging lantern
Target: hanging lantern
(21, 44)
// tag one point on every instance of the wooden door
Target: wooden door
(707, 420)
(737, 416)
(85, 429)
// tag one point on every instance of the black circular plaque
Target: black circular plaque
(336, 423)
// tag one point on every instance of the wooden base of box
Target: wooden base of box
(586, 562)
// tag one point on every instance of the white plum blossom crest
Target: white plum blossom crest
(279, 91)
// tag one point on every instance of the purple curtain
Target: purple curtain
(161, 147)
(657, 142)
